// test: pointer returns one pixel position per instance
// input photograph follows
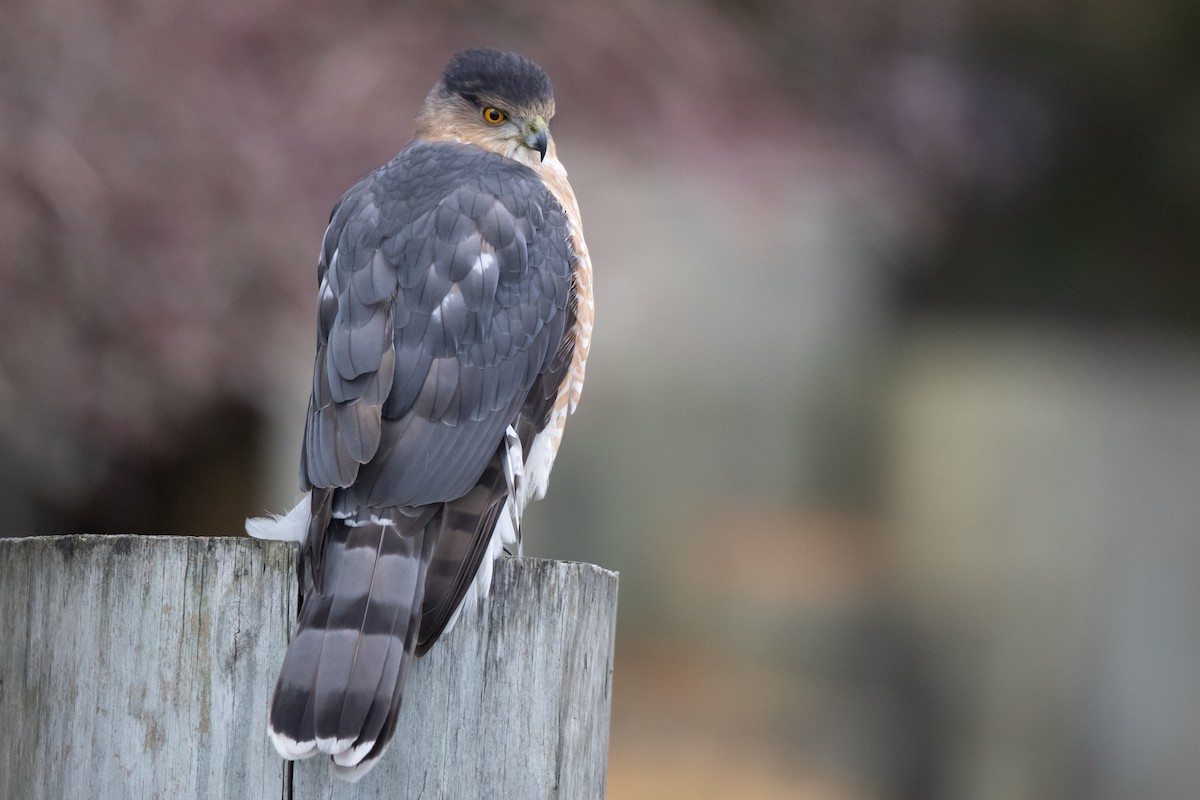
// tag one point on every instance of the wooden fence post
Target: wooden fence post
(141, 666)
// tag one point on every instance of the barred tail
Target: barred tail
(342, 678)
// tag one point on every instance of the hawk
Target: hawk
(453, 324)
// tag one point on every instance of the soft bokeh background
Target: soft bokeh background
(893, 417)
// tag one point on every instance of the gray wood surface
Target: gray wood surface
(140, 666)
(135, 666)
(513, 703)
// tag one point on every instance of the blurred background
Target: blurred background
(892, 424)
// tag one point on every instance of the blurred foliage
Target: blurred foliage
(166, 171)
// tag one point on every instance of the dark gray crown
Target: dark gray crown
(484, 72)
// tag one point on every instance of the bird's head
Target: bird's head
(501, 102)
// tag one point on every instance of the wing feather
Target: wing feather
(467, 296)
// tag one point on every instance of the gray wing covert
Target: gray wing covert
(355, 358)
(444, 285)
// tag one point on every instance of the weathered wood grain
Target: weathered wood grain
(135, 666)
(513, 703)
(140, 666)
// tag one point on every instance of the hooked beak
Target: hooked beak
(537, 137)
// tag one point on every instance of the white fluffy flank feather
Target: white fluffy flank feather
(289, 527)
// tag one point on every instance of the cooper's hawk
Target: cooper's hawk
(453, 324)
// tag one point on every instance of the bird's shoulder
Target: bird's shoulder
(424, 173)
(449, 192)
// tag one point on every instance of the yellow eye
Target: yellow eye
(494, 116)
